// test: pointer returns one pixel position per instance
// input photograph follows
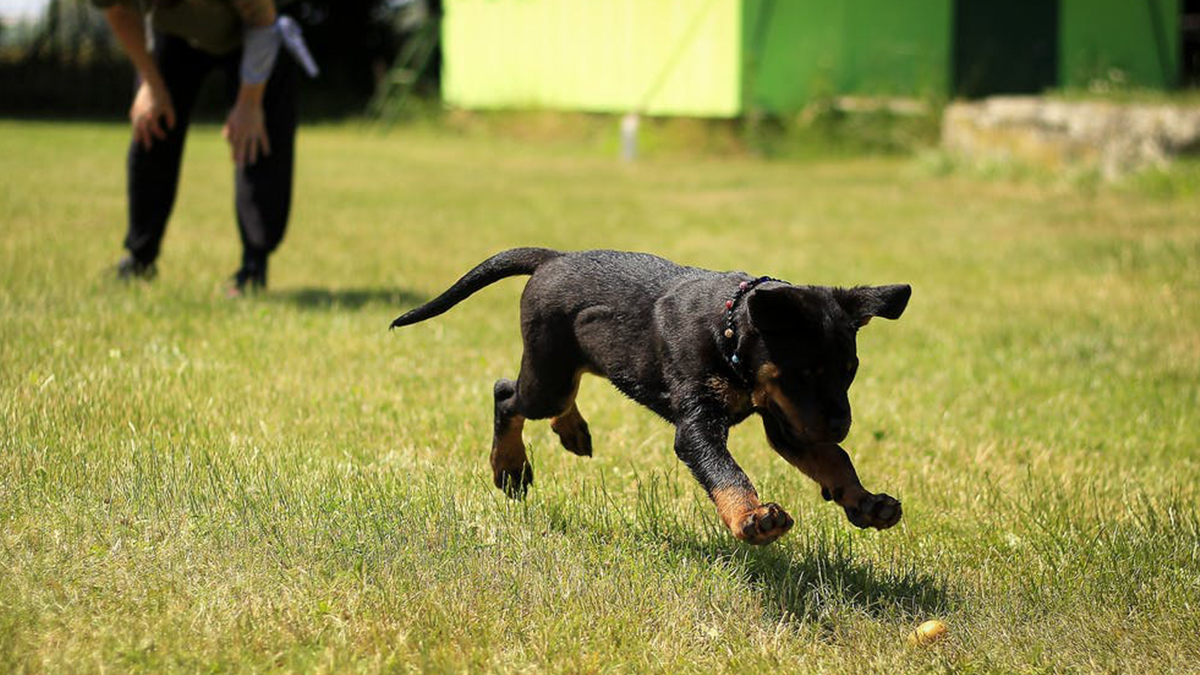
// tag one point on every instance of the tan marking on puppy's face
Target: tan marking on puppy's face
(768, 395)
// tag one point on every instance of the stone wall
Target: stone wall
(1113, 138)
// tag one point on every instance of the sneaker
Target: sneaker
(131, 269)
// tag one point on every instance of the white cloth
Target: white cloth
(261, 47)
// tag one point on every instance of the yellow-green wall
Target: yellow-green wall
(666, 57)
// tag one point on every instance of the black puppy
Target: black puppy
(702, 349)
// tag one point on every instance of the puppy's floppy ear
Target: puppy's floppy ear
(864, 302)
(780, 310)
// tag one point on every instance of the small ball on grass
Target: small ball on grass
(927, 633)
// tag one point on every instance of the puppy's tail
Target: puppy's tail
(510, 263)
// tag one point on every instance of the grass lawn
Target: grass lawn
(192, 483)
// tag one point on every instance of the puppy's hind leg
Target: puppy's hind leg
(551, 367)
(511, 471)
(571, 428)
(592, 337)
(544, 389)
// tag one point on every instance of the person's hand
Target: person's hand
(246, 131)
(151, 108)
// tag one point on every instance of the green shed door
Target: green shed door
(1005, 46)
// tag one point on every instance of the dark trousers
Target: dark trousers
(263, 192)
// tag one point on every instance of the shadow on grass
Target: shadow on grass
(809, 581)
(808, 586)
(816, 571)
(325, 299)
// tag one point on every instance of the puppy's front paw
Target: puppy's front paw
(763, 525)
(515, 482)
(878, 511)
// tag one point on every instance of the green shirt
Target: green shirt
(214, 26)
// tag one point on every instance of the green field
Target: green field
(190, 483)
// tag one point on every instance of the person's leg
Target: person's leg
(153, 172)
(264, 189)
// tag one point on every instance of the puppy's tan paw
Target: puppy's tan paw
(763, 525)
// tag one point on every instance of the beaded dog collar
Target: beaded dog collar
(729, 347)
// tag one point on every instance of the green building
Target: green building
(722, 58)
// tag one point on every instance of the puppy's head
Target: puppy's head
(809, 356)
